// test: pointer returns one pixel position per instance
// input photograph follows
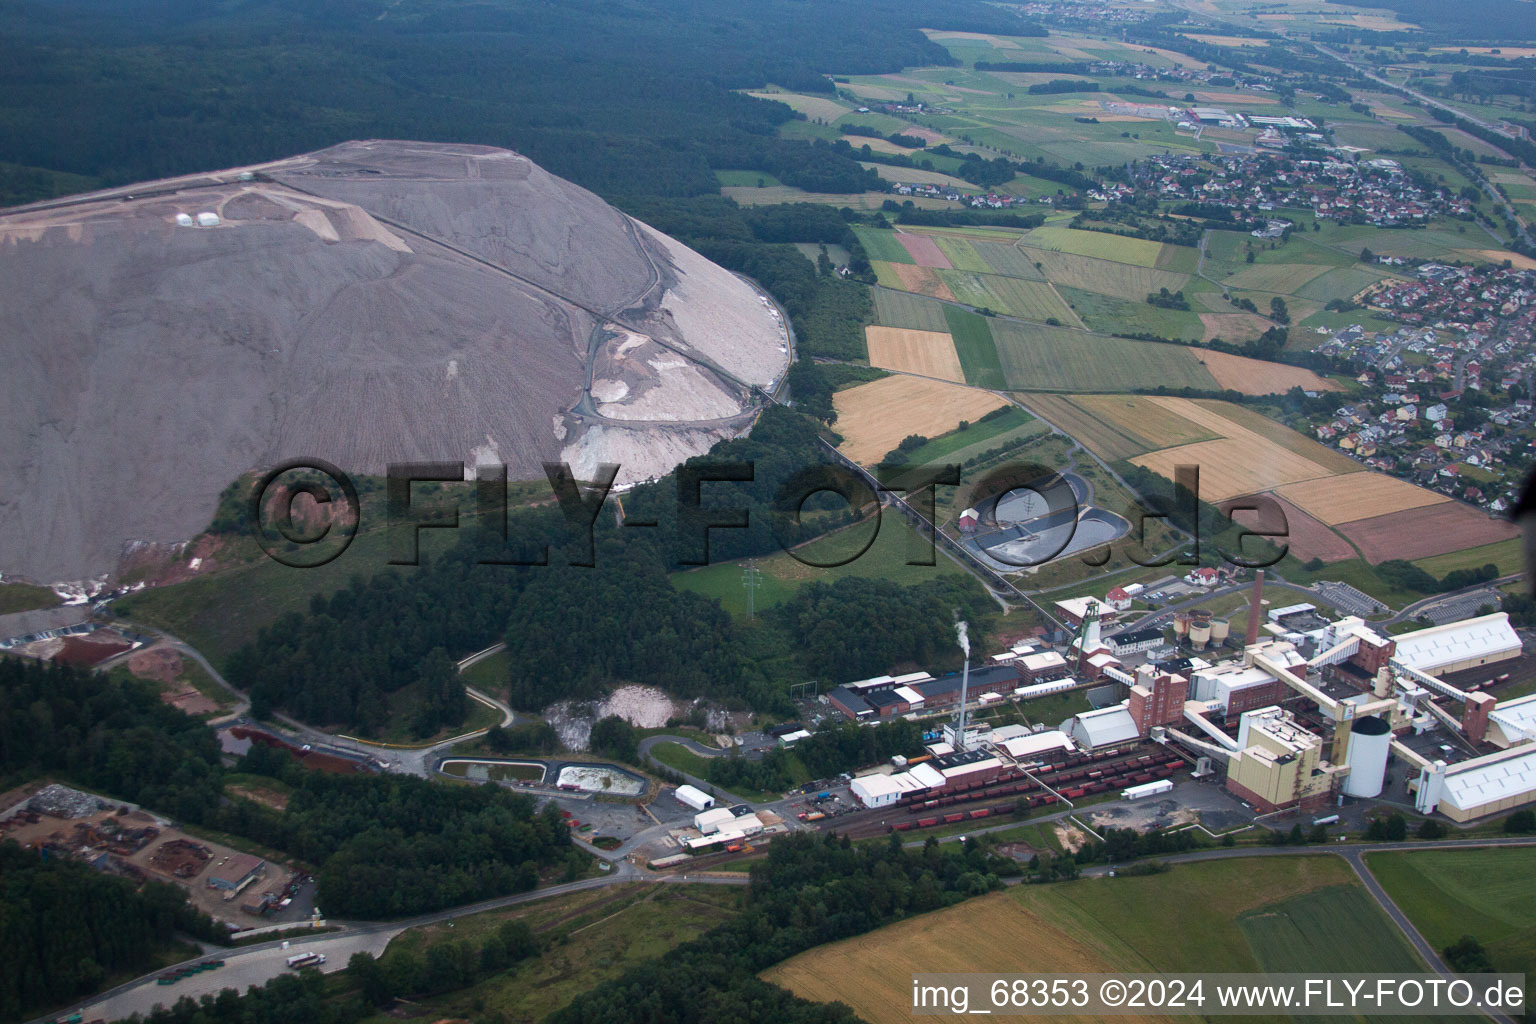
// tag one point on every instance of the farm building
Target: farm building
(236, 873)
(695, 798)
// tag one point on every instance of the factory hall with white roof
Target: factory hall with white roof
(1302, 713)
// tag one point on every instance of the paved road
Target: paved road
(258, 964)
(695, 747)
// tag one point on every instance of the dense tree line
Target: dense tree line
(855, 627)
(112, 734)
(625, 99)
(1407, 576)
(65, 927)
(808, 891)
(394, 845)
(845, 746)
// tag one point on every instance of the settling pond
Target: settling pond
(581, 776)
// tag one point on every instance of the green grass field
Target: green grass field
(1107, 313)
(882, 245)
(1508, 555)
(1009, 260)
(1135, 251)
(1056, 359)
(1108, 276)
(904, 309)
(1488, 894)
(962, 254)
(489, 674)
(746, 179)
(974, 345)
(849, 552)
(1191, 918)
(979, 436)
(1340, 926)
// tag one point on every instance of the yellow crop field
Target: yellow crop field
(1256, 377)
(1343, 499)
(1143, 418)
(997, 932)
(811, 106)
(1241, 461)
(930, 353)
(874, 418)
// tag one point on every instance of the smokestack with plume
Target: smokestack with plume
(962, 632)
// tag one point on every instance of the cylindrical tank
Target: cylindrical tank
(1199, 633)
(1181, 624)
(1370, 740)
(1219, 630)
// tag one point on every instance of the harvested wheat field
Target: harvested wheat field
(1257, 377)
(874, 418)
(1344, 499)
(1241, 461)
(996, 932)
(1144, 418)
(1516, 260)
(929, 353)
(1307, 537)
(922, 281)
(1425, 531)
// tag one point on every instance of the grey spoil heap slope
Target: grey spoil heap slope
(371, 303)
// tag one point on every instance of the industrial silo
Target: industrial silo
(1199, 633)
(1219, 630)
(1181, 625)
(1370, 741)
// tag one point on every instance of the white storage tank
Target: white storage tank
(1370, 740)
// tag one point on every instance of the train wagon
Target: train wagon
(927, 822)
(950, 819)
(981, 813)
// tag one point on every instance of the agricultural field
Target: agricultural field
(1135, 251)
(1068, 414)
(912, 278)
(873, 418)
(927, 353)
(1237, 915)
(1489, 894)
(977, 351)
(1508, 555)
(1341, 499)
(1109, 314)
(1009, 260)
(1424, 532)
(897, 309)
(1012, 425)
(1240, 461)
(1306, 537)
(1107, 276)
(1257, 377)
(923, 250)
(882, 245)
(962, 255)
(1039, 358)
(814, 107)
